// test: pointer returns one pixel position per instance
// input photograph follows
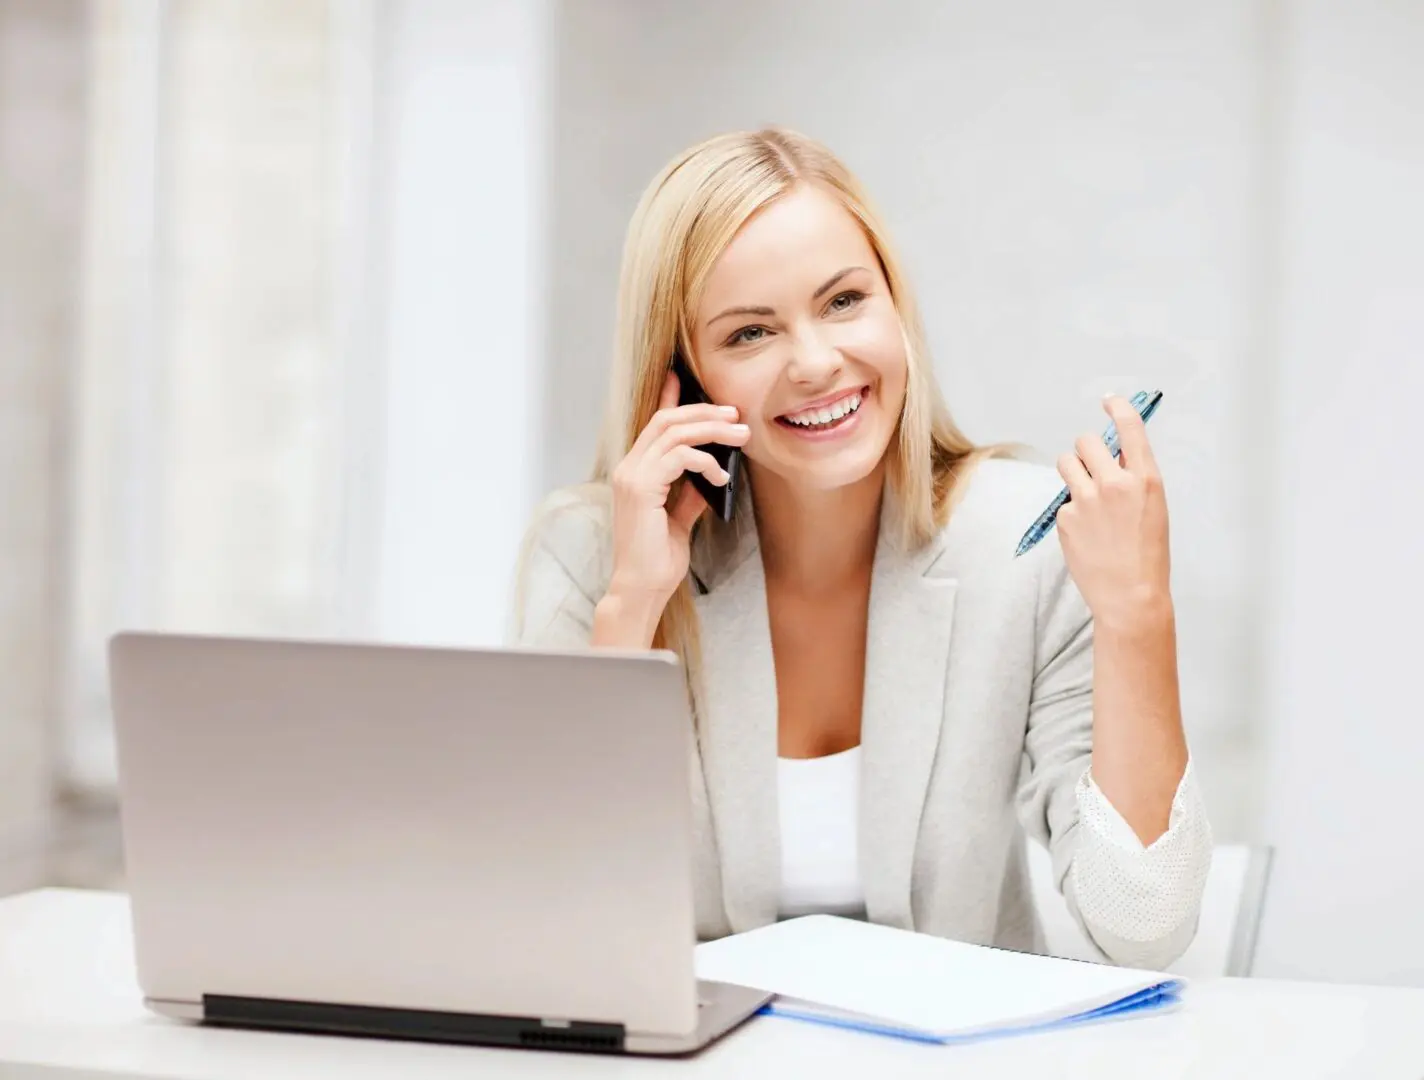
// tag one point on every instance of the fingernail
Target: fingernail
(728, 410)
(741, 429)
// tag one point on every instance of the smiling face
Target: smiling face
(798, 330)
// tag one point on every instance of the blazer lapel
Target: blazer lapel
(907, 657)
(737, 714)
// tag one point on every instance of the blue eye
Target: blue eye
(747, 335)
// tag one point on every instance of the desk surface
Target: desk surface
(69, 1008)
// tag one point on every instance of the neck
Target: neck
(817, 539)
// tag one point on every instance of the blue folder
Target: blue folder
(1160, 998)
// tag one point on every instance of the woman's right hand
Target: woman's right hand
(652, 540)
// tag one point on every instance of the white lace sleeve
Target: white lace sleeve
(1141, 902)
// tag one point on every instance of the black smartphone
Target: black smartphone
(721, 498)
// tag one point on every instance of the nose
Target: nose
(814, 361)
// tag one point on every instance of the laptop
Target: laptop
(459, 845)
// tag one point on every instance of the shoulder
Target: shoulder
(570, 536)
(999, 500)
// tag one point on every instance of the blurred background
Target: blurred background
(305, 303)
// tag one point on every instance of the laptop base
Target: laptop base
(722, 1008)
(410, 1024)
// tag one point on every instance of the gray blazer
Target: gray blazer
(976, 722)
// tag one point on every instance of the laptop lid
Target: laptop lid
(474, 831)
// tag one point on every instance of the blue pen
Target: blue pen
(1145, 402)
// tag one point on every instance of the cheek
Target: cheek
(748, 388)
(737, 385)
(882, 350)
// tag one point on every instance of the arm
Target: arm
(626, 622)
(1139, 747)
(560, 586)
(1139, 904)
(1114, 539)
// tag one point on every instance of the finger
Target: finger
(1132, 435)
(1095, 456)
(665, 419)
(667, 401)
(1075, 475)
(690, 506)
(681, 459)
(699, 433)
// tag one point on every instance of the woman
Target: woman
(884, 694)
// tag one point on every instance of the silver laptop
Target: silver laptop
(481, 846)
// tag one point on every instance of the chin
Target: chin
(831, 478)
(827, 468)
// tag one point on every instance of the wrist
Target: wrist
(1146, 613)
(627, 618)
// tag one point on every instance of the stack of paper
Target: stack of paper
(854, 974)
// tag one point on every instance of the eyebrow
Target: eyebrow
(766, 312)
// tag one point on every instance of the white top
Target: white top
(820, 853)
(69, 1004)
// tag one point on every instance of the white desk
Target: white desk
(70, 1010)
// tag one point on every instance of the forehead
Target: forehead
(803, 234)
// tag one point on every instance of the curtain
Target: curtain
(218, 385)
(42, 83)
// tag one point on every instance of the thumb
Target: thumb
(688, 507)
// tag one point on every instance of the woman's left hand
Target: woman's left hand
(1114, 529)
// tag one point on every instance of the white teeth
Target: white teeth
(814, 417)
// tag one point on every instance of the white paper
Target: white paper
(914, 981)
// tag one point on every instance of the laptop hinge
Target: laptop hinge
(419, 1024)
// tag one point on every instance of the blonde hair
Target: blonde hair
(684, 221)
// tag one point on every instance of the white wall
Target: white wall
(465, 207)
(1077, 190)
(1346, 732)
